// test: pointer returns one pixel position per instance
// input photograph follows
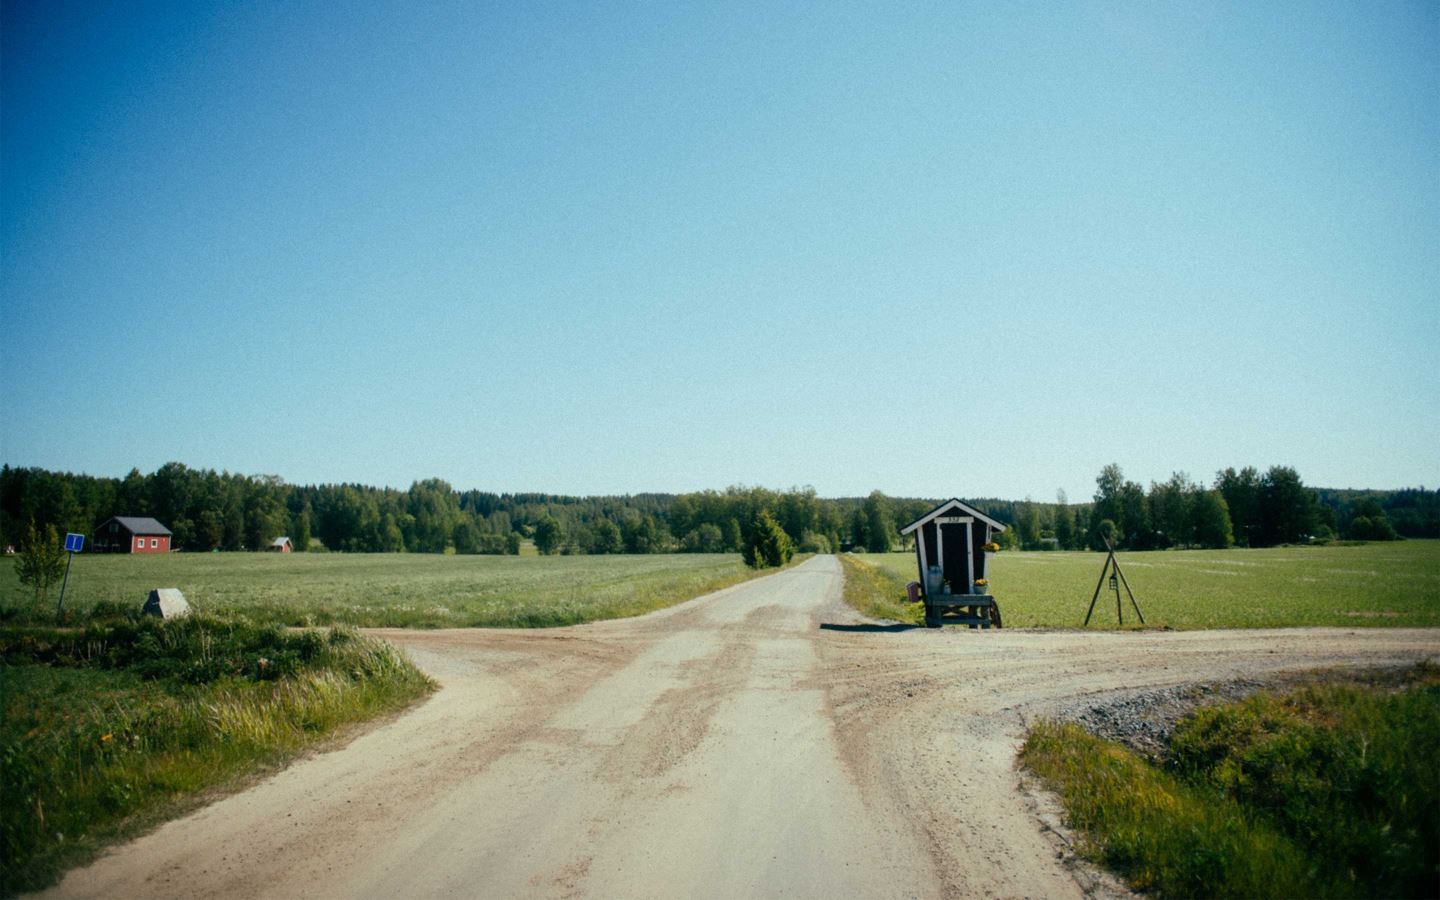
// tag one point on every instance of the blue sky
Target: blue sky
(973, 249)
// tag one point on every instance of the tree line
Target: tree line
(1244, 507)
(209, 510)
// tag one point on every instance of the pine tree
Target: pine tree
(769, 544)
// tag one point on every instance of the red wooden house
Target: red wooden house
(131, 534)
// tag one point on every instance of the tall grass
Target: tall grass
(1351, 773)
(1161, 834)
(1333, 791)
(119, 725)
(878, 592)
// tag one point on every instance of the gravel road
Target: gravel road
(760, 741)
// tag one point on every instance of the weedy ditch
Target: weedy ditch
(878, 592)
(118, 725)
(1326, 790)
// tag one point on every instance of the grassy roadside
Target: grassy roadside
(1326, 791)
(401, 590)
(878, 592)
(112, 728)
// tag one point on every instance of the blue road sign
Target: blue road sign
(74, 542)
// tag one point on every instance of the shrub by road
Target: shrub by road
(1326, 791)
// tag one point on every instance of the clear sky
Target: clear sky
(948, 249)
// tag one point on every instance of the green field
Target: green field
(1386, 584)
(395, 589)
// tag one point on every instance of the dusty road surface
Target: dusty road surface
(761, 741)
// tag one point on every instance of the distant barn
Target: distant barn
(131, 534)
(279, 545)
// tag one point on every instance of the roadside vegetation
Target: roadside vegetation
(1363, 585)
(1326, 791)
(878, 591)
(392, 590)
(116, 726)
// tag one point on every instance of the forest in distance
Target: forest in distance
(209, 510)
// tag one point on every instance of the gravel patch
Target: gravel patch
(1144, 720)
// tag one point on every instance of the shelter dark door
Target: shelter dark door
(957, 545)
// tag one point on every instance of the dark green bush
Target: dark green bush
(1163, 835)
(1330, 791)
(192, 650)
(1350, 773)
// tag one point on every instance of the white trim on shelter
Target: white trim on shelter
(947, 506)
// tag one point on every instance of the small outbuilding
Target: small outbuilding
(131, 534)
(953, 545)
(279, 545)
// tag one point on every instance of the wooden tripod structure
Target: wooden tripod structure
(1117, 578)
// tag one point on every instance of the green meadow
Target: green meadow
(389, 589)
(1379, 584)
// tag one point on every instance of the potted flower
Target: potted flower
(981, 586)
(990, 550)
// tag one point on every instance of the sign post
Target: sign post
(74, 543)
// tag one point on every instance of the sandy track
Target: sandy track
(758, 741)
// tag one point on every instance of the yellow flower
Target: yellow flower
(981, 581)
(105, 737)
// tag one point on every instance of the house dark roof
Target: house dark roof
(138, 525)
(946, 507)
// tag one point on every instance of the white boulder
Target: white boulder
(167, 603)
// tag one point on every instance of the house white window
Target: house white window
(139, 543)
(154, 542)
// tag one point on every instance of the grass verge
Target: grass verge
(878, 592)
(1327, 791)
(112, 728)
(394, 590)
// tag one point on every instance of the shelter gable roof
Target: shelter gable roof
(950, 505)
